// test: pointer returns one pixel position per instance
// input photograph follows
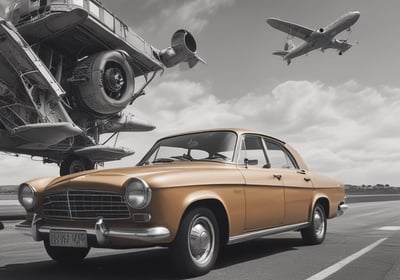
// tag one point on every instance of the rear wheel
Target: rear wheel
(196, 245)
(315, 233)
(66, 255)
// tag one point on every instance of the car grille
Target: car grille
(85, 205)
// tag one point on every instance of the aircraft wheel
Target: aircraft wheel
(75, 164)
(110, 82)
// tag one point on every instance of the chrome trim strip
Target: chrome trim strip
(342, 207)
(24, 227)
(141, 234)
(260, 233)
(69, 204)
(46, 229)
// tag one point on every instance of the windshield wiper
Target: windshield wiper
(218, 156)
(162, 160)
(183, 157)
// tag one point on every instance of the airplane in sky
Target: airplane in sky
(68, 69)
(321, 38)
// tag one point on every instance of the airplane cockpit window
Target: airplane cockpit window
(94, 9)
(109, 20)
(78, 2)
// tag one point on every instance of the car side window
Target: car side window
(252, 151)
(278, 157)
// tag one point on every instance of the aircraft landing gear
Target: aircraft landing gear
(340, 53)
(75, 164)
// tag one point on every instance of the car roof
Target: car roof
(239, 131)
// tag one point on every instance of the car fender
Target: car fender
(317, 197)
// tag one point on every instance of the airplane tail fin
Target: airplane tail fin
(280, 53)
(287, 47)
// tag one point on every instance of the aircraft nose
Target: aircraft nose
(356, 14)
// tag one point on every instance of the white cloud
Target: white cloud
(192, 15)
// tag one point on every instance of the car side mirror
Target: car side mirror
(248, 162)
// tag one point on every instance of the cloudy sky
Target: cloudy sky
(340, 112)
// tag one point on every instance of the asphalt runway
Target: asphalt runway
(362, 244)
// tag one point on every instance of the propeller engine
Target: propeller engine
(183, 49)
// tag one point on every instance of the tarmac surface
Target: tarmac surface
(364, 243)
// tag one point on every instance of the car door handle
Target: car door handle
(278, 176)
(307, 179)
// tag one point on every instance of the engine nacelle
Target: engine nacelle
(105, 82)
(183, 49)
(317, 33)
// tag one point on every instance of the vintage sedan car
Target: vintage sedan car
(192, 192)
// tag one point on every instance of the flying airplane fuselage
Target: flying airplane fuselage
(321, 38)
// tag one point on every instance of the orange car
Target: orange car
(192, 192)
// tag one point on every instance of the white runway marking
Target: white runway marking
(337, 266)
(390, 228)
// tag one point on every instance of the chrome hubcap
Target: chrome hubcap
(201, 240)
(319, 223)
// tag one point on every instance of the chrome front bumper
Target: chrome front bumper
(101, 232)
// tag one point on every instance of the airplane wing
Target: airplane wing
(345, 47)
(341, 45)
(290, 28)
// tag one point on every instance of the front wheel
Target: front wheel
(66, 255)
(75, 164)
(196, 245)
(316, 231)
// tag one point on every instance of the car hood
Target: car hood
(157, 176)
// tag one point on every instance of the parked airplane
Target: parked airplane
(321, 38)
(67, 71)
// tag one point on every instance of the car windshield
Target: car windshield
(216, 146)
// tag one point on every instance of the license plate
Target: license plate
(60, 238)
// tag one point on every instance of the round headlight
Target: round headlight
(27, 196)
(138, 193)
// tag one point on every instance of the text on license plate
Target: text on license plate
(60, 238)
